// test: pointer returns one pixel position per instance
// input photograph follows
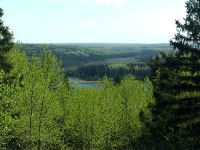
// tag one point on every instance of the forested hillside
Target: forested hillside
(40, 108)
(94, 61)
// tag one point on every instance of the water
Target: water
(88, 85)
(83, 83)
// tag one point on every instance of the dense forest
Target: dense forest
(96, 72)
(42, 111)
(94, 61)
(39, 109)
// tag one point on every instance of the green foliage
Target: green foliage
(80, 55)
(6, 43)
(96, 72)
(106, 118)
(40, 111)
(175, 76)
(37, 80)
(8, 115)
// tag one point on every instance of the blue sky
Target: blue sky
(80, 21)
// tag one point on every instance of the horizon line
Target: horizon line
(91, 43)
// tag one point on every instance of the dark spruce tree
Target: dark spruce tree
(176, 79)
(6, 43)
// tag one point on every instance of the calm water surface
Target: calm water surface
(83, 83)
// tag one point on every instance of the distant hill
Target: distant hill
(76, 55)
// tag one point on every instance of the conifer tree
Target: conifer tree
(6, 43)
(176, 76)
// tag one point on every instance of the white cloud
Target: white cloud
(113, 3)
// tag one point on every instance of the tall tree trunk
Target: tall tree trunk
(40, 124)
(30, 120)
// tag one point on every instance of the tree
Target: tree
(6, 43)
(176, 76)
(38, 80)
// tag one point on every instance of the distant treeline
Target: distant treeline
(94, 61)
(39, 109)
(75, 55)
(95, 72)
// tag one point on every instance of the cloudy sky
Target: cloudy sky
(80, 21)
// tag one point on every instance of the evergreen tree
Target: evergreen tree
(176, 76)
(6, 43)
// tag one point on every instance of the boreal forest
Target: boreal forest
(146, 96)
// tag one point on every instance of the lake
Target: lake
(84, 84)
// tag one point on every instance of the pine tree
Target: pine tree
(176, 76)
(6, 43)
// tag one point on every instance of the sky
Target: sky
(93, 21)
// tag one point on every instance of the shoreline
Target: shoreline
(82, 81)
